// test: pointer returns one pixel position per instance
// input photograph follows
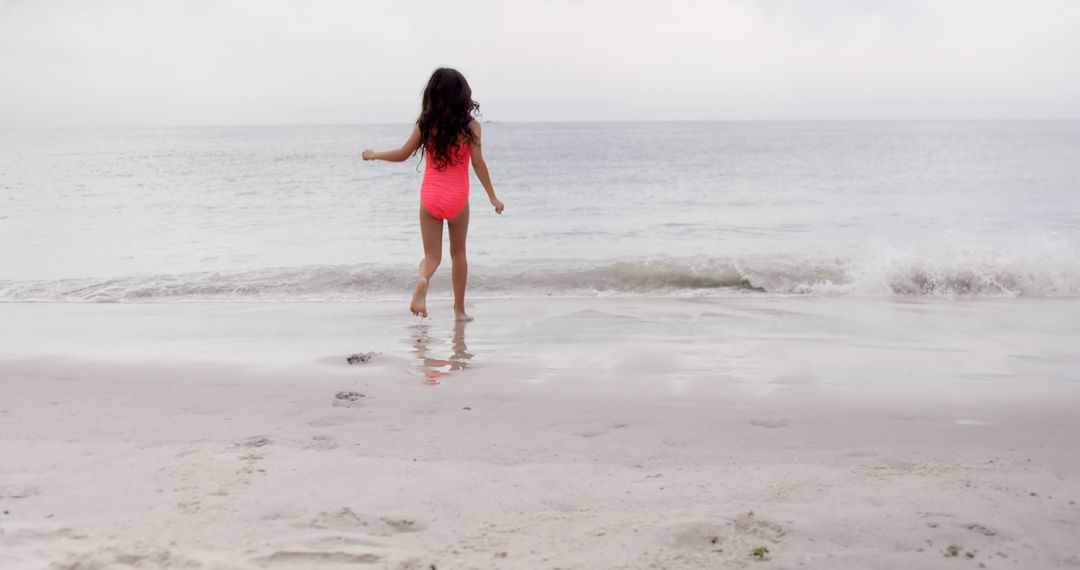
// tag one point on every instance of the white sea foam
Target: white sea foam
(1034, 266)
(1031, 268)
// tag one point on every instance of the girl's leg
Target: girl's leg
(431, 233)
(459, 230)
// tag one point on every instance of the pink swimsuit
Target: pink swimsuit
(445, 192)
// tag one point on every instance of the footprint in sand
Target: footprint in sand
(250, 458)
(294, 557)
(973, 527)
(350, 520)
(131, 557)
(360, 357)
(18, 492)
(254, 441)
(341, 528)
(321, 441)
(748, 524)
(16, 536)
(769, 423)
(189, 507)
(601, 430)
(735, 540)
(329, 421)
(706, 536)
(348, 399)
(948, 530)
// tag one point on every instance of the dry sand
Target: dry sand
(180, 436)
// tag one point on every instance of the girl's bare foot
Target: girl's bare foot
(460, 316)
(419, 298)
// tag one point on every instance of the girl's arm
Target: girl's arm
(480, 167)
(400, 155)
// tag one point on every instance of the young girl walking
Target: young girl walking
(449, 138)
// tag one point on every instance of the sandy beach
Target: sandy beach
(567, 433)
(756, 285)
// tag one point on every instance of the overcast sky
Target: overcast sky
(192, 62)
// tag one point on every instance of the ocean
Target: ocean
(693, 339)
(714, 209)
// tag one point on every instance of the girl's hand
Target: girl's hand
(368, 154)
(498, 205)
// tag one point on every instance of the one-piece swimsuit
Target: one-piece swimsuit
(445, 192)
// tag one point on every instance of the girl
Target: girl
(449, 137)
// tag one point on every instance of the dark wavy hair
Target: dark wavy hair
(445, 113)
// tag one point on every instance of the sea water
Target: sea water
(292, 213)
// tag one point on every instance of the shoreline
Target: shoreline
(565, 434)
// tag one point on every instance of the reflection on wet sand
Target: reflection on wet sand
(433, 369)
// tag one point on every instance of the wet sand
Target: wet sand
(563, 433)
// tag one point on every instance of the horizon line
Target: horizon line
(534, 122)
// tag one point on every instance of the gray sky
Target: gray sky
(195, 62)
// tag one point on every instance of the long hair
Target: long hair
(445, 112)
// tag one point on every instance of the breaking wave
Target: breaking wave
(1052, 269)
